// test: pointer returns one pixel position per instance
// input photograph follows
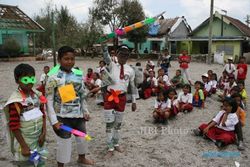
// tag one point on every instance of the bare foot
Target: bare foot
(108, 155)
(119, 149)
(85, 161)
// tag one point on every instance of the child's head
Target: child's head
(138, 64)
(214, 77)
(90, 70)
(96, 75)
(234, 90)
(241, 85)
(161, 72)
(238, 98)
(210, 72)
(186, 88)
(230, 105)
(204, 77)
(242, 60)
(102, 63)
(25, 76)
(178, 72)
(46, 69)
(162, 95)
(171, 93)
(66, 57)
(231, 78)
(151, 73)
(224, 74)
(184, 52)
(230, 60)
(198, 85)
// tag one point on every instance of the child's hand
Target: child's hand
(57, 126)
(25, 151)
(86, 116)
(205, 130)
(133, 106)
(41, 139)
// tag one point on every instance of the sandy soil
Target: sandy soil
(146, 144)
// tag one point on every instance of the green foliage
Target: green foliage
(11, 47)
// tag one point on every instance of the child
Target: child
(207, 85)
(229, 85)
(96, 88)
(88, 80)
(43, 80)
(172, 96)
(229, 67)
(242, 117)
(184, 60)
(25, 115)
(101, 67)
(210, 73)
(162, 108)
(198, 97)
(185, 99)
(165, 62)
(113, 56)
(221, 128)
(243, 92)
(242, 70)
(214, 83)
(150, 85)
(72, 111)
(163, 80)
(177, 81)
(223, 79)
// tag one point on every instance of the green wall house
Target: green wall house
(229, 36)
(15, 24)
(164, 34)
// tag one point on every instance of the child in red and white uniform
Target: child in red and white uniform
(223, 79)
(230, 67)
(162, 107)
(184, 60)
(172, 96)
(185, 99)
(214, 83)
(242, 70)
(163, 80)
(207, 85)
(149, 86)
(229, 85)
(115, 98)
(221, 128)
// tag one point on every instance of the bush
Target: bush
(11, 47)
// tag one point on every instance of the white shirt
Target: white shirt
(100, 69)
(165, 79)
(228, 69)
(121, 84)
(231, 121)
(214, 84)
(155, 81)
(162, 104)
(44, 78)
(188, 98)
(208, 86)
(228, 88)
(98, 82)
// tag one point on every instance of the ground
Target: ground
(146, 144)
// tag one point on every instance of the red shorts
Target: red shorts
(108, 105)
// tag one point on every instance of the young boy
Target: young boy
(229, 67)
(63, 109)
(184, 60)
(242, 70)
(115, 96)
(177, 81)
(25, 115)
(43, 79)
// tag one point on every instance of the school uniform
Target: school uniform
(163, 105)
(230, 68)
(186, 99)
(222, 133)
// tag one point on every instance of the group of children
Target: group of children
(111, 83)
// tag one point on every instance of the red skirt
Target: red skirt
(108, 105)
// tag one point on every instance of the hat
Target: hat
(230, 58)
(123, 50)
(205, 75)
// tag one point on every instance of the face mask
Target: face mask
(28, 80)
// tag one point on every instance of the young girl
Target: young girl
(172, 96)
(184, 60)
(66, 95)
(162, 107)
(207, 85)
(185, 99)
(149, 85)
(229, 85)
(223, 79)
(243, 92)
(210, 73)
(221, 128)
(198, 97)
(96, 88)
(214, 83)
(241, 113)
(163, 80)
(25, 115)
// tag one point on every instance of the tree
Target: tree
(11, 47)
(135, 14)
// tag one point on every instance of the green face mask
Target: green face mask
(28, 80)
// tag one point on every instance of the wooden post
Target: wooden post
(210, 32)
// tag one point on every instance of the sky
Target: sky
(195, 11)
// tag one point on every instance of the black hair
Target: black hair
(236, 89)
(46, 67)
(237, 95)
(97, 74)
(187, 86)
(172, 90)
(232, 102)
(63, 50)
(90, 69)
(242, 57)
(200, 83)
(179, 70)
(215, 76)
(102, 61)
(23, 70)
(241, 82)
(165, 95)
(225, 72)
(138, 64)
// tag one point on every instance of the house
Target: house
(230, 37)
(164, 33)
(15, 24)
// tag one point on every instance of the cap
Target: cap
(123, 50)
(230, 58)
(205, 75)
